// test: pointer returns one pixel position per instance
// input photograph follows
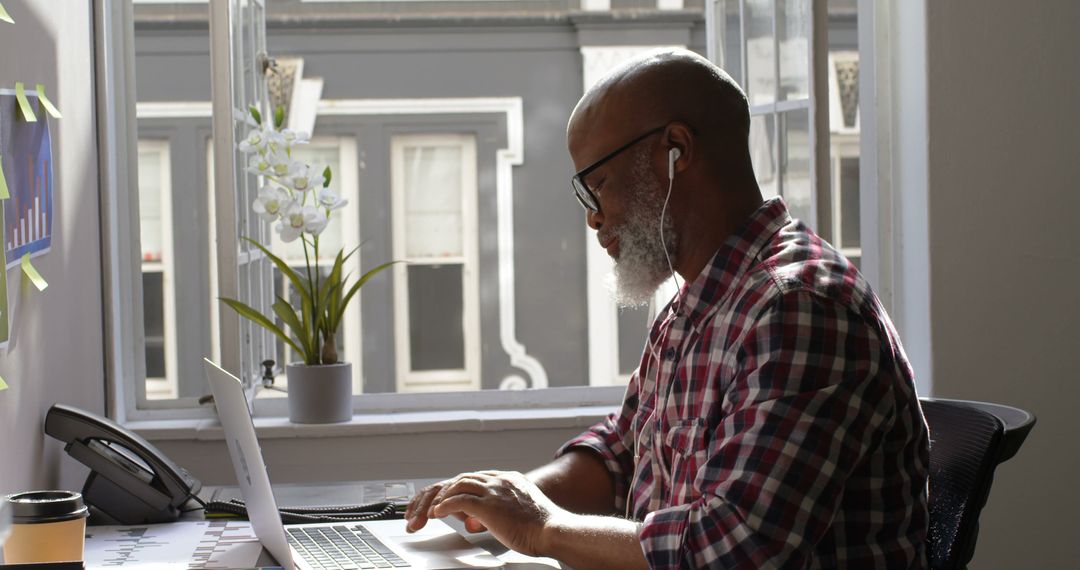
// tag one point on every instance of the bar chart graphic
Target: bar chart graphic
(27, 162)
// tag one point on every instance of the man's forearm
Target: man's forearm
(583, 542)
(578, 482)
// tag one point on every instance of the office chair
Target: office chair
(967, 442)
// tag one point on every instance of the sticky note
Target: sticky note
(46, 103)
(24, 104)
(3, 385)
(7, 18)
(31, 272)
(4, 194)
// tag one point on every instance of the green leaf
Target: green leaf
(279, 116)
(258, 318)
(297, 282)
(255, 114)
(363, 279)
(332, 280)
(328, 175)
(287, 314)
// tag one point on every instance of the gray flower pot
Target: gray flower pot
(319, 394)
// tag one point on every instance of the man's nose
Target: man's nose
(594, 220)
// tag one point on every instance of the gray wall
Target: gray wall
(58, 351)
(1004, 259)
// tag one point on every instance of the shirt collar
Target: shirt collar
(732, 260)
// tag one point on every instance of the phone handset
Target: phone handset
(130, 480)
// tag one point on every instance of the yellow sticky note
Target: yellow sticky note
(4, 194)
(7, 18)
(46, 103)
(31, 272)
(3, 385)
(24, 103)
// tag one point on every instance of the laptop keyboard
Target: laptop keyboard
(342, 547)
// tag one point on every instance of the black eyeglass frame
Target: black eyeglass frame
(581, 190)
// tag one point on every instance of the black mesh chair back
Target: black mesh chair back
(967, 442)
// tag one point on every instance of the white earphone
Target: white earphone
(673, 155)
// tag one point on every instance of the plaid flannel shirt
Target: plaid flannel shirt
(772, 421)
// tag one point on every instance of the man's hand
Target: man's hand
(417, 512)
(507, 503)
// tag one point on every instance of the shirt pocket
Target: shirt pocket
(685, 450)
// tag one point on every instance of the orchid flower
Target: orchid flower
(272, 202)
(305, 178)
(261, 165)
(330, 200)
(283, 166)
(255, 142)
(275, 142)
(298, 219)
(292, 137)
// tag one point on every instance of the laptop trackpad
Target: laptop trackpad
(434, 546)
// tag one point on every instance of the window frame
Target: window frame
(467, 378)
(163, 148)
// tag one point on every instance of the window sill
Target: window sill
(382, 424)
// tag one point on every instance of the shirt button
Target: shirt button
(669, 354)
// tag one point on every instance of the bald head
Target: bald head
(660, 88)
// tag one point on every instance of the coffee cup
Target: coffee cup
(47, 526)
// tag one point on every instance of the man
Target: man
(772, 422)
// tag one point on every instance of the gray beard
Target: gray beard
(642, 265)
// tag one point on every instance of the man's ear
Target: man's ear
(679, 138)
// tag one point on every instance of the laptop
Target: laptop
(344, 546)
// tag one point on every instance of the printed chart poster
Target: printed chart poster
(26, 151)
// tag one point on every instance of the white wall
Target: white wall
(1003, 90)
(58, 353)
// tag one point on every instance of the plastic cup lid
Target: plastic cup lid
(33, 507)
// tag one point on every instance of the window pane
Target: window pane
(849, 202)
(151, 230)
(436, 333)
(763, 152)
(729, 37)
(795, 133)
(433, 206)
(760, 51)
(793, 21)
(154, 323)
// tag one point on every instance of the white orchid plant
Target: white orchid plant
(296, 197)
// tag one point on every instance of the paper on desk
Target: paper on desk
(181, 545)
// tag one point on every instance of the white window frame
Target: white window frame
(467, 378)
(844, 146)
(167, 387)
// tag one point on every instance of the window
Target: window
(159, 302)
(455, 169)
(765, 46)
(844, 151)
(436, 312)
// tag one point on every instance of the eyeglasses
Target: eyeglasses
(582, 191)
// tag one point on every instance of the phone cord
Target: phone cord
(293, 515)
